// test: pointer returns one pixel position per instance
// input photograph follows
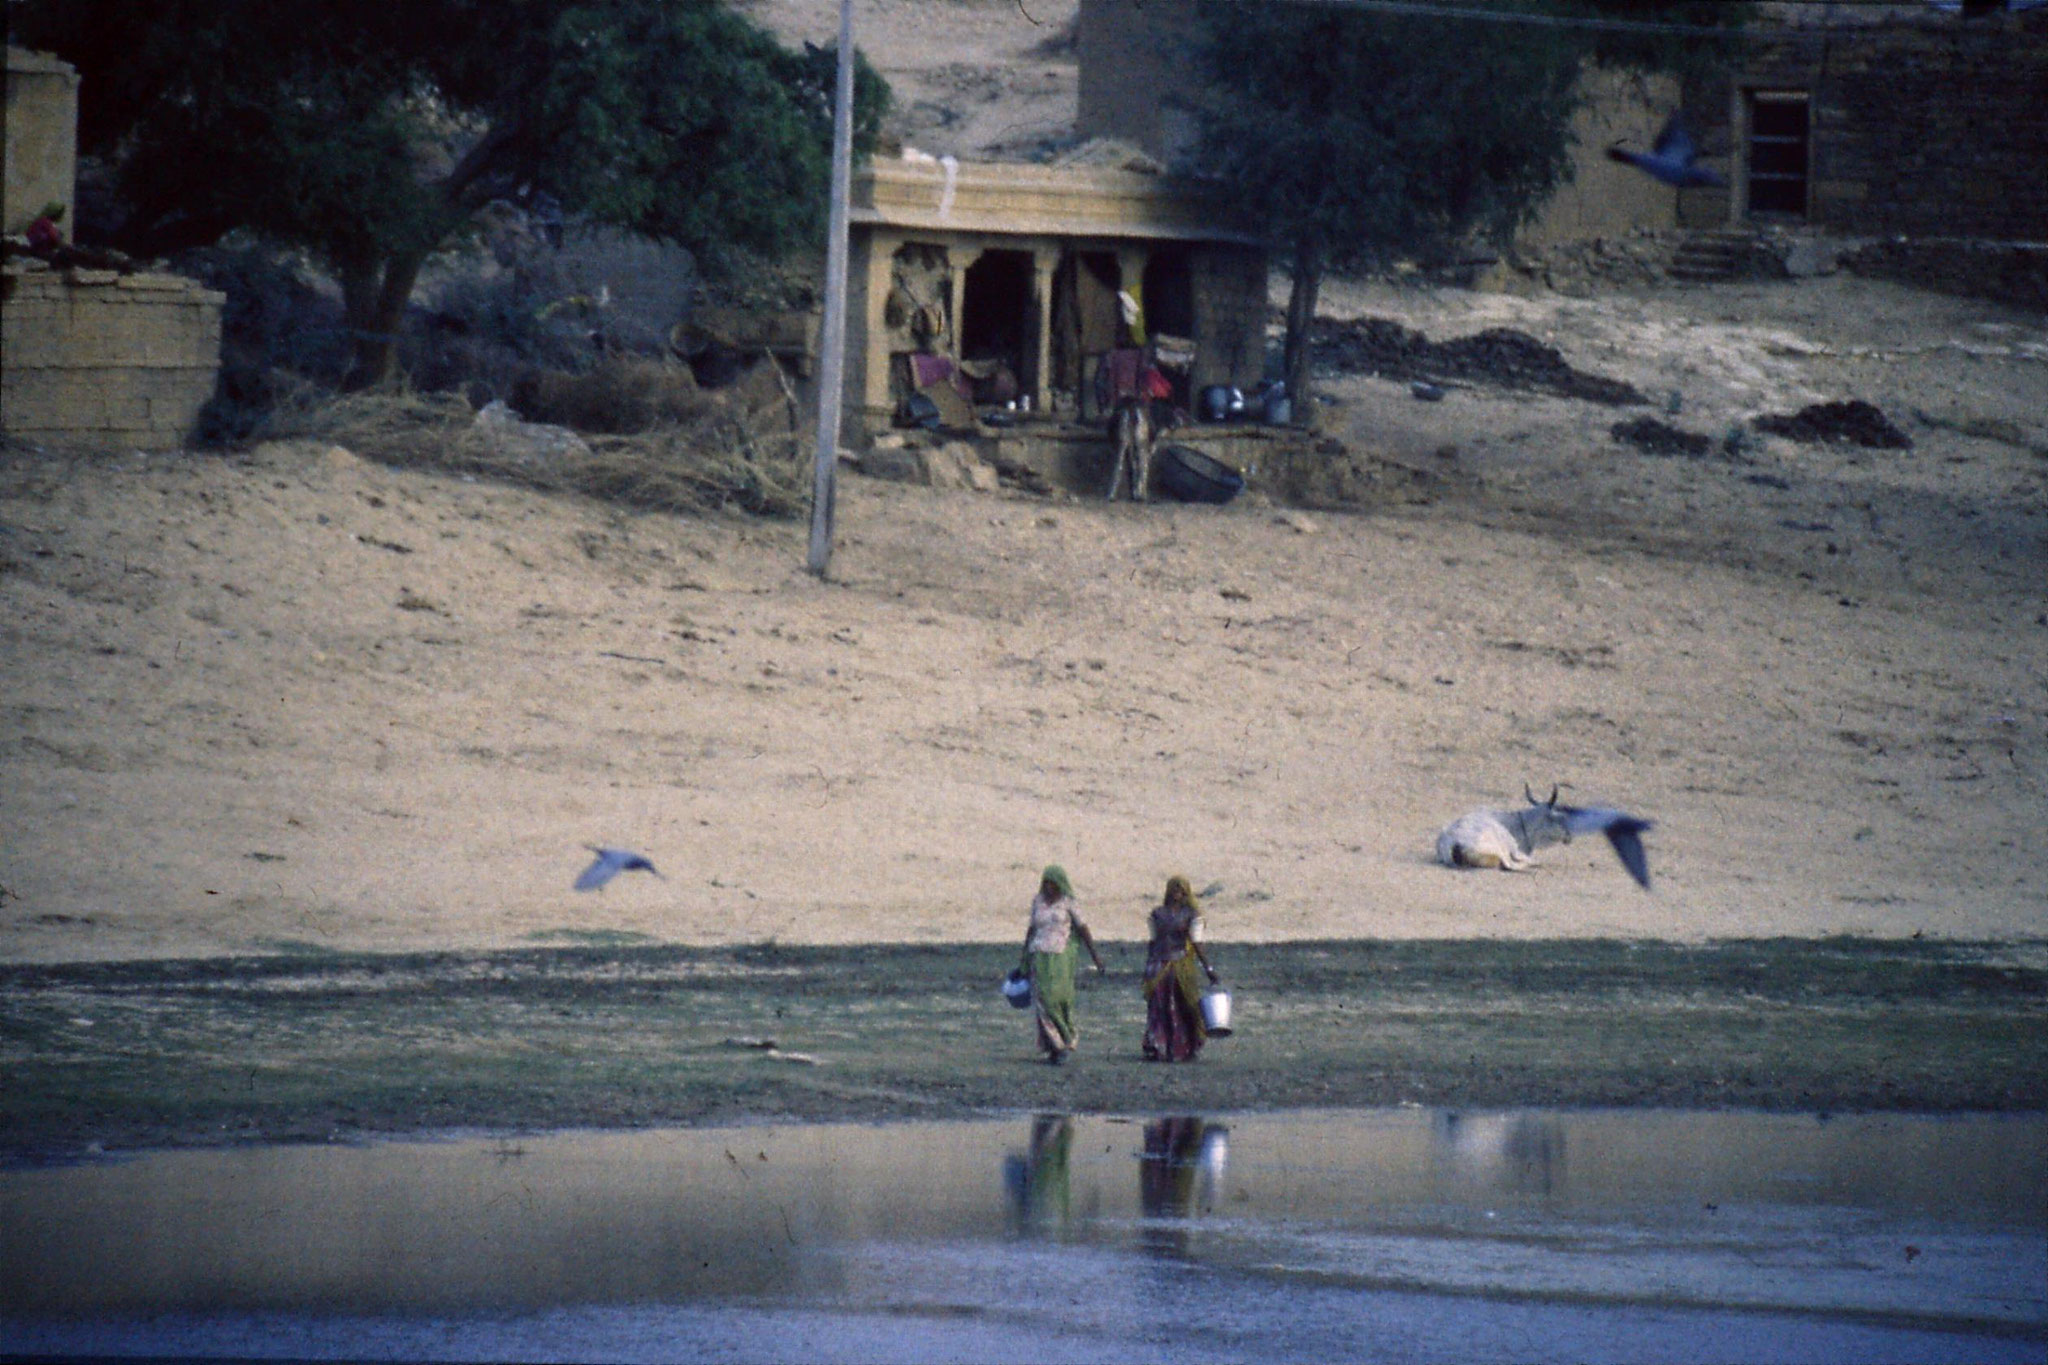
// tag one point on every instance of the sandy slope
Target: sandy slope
(297, 697)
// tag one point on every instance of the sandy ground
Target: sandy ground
(292, 697)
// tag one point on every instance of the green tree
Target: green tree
(372, 133)
(1352, 138)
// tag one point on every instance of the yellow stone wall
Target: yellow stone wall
(41, 137)
(95, 356)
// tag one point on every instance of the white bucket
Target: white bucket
(1216, 1014)
(1017, 990)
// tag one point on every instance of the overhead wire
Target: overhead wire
(1764, 33)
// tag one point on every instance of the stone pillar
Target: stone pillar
(868, 357)
(960, 257)
(1045, 263)
(41, 139)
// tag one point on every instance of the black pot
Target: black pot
(1186, 474)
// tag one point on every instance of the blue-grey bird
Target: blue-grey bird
(1625, 832)
(610, 863)
(1672, 160)
(1508, 839)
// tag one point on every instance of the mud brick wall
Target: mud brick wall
(94, 356)
(1935, 128)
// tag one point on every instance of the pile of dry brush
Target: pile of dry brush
(634, 431)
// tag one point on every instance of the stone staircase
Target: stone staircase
(1707, 257)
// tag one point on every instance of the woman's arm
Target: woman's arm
(1087, 941)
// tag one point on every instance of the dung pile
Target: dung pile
(1653, 437)
(1822, 423)
(1499, 355)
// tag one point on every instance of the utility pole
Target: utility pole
(832, 342)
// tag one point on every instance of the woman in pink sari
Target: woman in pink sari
(1173, 992)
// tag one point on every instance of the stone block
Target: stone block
(100, 356)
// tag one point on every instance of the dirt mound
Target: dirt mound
(1653, 437)
(1854, 421)
(1498, 355)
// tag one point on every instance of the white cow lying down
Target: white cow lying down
(1508, 839)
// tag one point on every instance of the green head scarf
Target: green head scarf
(1057, 875)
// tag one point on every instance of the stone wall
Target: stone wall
(41, 138)
(1230, 313)
(96, 356)
(2012, 273)
(1936, 127)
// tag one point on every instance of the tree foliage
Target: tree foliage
(373, 133)
(1351, 138)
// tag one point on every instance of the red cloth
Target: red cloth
(1124, 368)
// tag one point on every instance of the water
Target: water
(1384, 1235)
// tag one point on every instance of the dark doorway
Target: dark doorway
(1170, 315)
(1086, 320)
(997, 315)
(1170, 293)
(1780, 152)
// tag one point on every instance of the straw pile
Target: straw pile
(722, 456)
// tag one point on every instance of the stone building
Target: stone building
(1135, 59)
(114, 356)
(1009, 280)
(1859, 121)
(1926, 124)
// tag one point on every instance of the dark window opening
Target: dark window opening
(1780, 153)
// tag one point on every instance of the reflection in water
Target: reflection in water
(1666, 1235)
(1178, 1176)
(1518, 1153)
(1040, 1185)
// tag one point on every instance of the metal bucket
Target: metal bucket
(1017, 990)
(1216, 1014)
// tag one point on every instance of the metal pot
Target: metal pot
(1017, 990)
(1216, 1014)
(1213, 404)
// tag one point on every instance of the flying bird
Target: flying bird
(610, 863)
(1625, 832)
(1673, 160)
(1508, 839)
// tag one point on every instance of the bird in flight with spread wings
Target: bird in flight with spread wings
(1673, 158)
(610, 862)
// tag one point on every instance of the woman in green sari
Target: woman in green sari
(1049, 961)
